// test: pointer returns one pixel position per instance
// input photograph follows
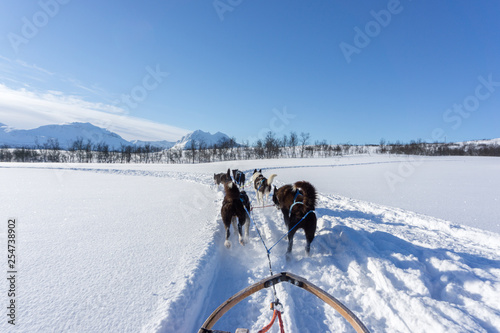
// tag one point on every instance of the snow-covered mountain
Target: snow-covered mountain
(66, 134)
(199, 136)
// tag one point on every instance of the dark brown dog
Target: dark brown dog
(233, 208)
(239, 177)
(297, 203)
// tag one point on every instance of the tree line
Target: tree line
(81, 151)
(290, 145)
(439, 149)
(85, 151)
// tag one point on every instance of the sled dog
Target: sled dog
(297, 203)
(233, 212)
(221, 178)
(239, 177)
(262, 185)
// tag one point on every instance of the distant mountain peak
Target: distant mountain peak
(198, 137)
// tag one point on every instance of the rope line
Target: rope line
(276, 300)
(276, 314)
(279, 240)
(276, 303)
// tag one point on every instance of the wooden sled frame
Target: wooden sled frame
(273, 280)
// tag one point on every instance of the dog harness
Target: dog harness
(261, 182)
(295, 200)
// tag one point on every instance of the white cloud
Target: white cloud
(24, 109)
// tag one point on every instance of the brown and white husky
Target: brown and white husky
(262, 185)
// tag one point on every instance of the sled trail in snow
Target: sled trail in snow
(398, 271)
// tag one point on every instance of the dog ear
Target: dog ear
(260, 170)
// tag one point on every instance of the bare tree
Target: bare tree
(293, 141)
(271, 145)
(53, 149)
(192, 149)
(382, 146)
(5, 154)
(283, 146)
(88, 151)
(102, 149)
(304, 139)
(203, 154)
(259, 149)
(78, 149)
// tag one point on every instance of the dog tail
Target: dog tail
(309, 193)
(270, 179)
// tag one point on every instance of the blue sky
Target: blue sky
(343, 71)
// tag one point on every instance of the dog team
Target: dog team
(296, 201)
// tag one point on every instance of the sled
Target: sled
(271, 281)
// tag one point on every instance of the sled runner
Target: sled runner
(271, 281)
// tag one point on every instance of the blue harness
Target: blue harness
(260, 184)
(295, 202)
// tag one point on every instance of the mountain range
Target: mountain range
(66, 134)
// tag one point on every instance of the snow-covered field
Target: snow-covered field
(131, 248)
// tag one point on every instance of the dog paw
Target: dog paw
(227, 244)
(242, 242)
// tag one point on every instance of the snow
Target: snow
(464, 190)
(140, 248)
